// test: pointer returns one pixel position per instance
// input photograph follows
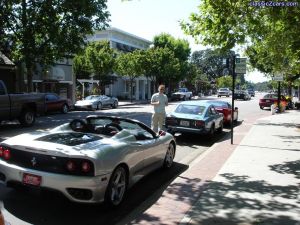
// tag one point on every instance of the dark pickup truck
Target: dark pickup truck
(21, 106)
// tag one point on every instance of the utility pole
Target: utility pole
(232, 98)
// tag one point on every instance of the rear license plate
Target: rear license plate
(267, 100)
(184, 123)
(32, 179)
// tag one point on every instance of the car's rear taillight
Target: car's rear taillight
(71, 166)
(5, 153)
(85, 167)
(1, 151)
(199, 123)
(170, 120)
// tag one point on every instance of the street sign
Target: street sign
(278, 77)
(240, 65)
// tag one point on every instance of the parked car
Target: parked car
(251, 92)
(21, 106)
(224, 92)
(242, 94)
(91, 160)
(270, 99)
(225, 108)
(55, 103)
(182, 94)
(198, 117)
(95, 102)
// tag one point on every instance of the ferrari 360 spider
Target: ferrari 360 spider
(92, 160)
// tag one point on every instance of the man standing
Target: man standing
(159, 101)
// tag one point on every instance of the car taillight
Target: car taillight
(199, 123)
(170, 120)
(85, 167)
(71, 166)
(1, 151)
(6, 154)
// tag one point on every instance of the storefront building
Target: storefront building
(125, 42)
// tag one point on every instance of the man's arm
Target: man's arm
(154, 100)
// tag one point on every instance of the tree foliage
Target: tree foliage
(270, 32)
(97, 60)
(45, 31)
(129, 65)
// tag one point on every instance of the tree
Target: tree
(129, 65)
(181, 50)
(210, 62)
(45, 31)
(272, 32)
(97, 60)
(160, 65)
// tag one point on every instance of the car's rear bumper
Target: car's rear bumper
(186, 130)
(75, 188)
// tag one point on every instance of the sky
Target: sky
(148, 18)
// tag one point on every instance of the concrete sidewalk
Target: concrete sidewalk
(254, 181)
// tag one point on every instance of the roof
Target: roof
(4, 60)
(199, 103)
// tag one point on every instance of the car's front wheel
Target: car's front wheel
(114, 105)
(170, 154)
(117, 187)
(99, 106)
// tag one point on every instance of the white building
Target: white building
(125, 42)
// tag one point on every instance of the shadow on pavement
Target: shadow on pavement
(50, 208)
(222, 202)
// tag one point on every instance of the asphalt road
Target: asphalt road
(36, 207)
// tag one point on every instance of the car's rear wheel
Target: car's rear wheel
(261, 107)
(211, 131)
(170, 154)
(117, 187)
(65, 109)
(220, 129)
(27, 118)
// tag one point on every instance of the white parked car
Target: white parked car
(224, 92)
(95, 102)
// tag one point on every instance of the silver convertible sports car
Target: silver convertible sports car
(97, 102)
(91, 160)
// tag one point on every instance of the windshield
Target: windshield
(224, 89)
(91, 97)
(190, 109)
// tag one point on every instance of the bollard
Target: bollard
(273, 109)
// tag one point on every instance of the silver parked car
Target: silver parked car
(91, 160)
(95, 102)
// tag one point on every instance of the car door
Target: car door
(105, 100)
(4, 103)
(52, 102)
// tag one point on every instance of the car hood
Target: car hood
(178, 93)
(85, 102)
(40, 143)
(186, 116)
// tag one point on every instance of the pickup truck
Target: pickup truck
(182, 94)
(21, 106)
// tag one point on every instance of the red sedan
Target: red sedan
(225, 108)
(55, 103)
(270, 99)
